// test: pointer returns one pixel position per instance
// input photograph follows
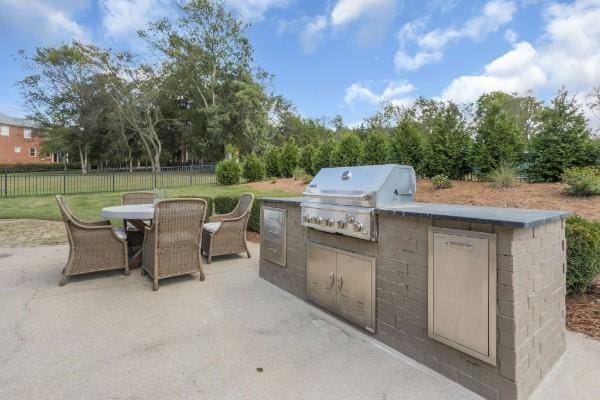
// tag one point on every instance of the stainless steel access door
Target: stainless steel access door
(355, 289)
(273, 235)
(342, 282)
(322, 276)
(462, 291)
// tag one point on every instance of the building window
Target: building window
(17, 149)
(33, 152)
(27, 133)
(4, 130)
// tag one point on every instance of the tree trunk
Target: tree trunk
(156, 163)
(83, 157)
(129, 159)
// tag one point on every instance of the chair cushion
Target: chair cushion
(132, 228)
(121, 233)
(212, 226)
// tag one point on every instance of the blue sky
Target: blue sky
(348, 57)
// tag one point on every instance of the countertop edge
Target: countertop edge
(511, 223)
(505, 222)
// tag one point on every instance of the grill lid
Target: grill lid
(366, 186)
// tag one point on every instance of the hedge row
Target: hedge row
(583, 253)
(36, 167)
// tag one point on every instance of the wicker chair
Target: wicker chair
(226, 233)
(172, 243)
(94, 246)
(135, 238)
(137, 198)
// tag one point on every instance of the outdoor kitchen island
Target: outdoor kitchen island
(475, 293)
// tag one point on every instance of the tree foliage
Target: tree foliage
(290, 154)
(348, 151)
(449, 144)
(498, 138)
(563, 140)
(407, 145)
(376, 148)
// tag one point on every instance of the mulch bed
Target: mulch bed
(583, 312)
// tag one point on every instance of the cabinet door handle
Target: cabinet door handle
(340, 282)
(331, 279)
(465, 246)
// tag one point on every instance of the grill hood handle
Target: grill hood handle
(362, 197)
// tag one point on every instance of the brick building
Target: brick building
(21, 142)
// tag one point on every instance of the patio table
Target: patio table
(136, 215)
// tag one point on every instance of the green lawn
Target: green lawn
(89, 206)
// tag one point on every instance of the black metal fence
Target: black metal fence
(108, 180)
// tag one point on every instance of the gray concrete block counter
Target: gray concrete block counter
(530, 264)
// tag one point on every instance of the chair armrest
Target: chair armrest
(229, 221)
(220, 217)
(108, 228)
(94, 223)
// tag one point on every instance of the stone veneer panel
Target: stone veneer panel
(292, 277)
(530, 297)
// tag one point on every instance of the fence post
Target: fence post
(155, 187)
(64, 182)
(113, 181)
(5, 182)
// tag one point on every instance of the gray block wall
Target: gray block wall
(530, 297)
(292, 277)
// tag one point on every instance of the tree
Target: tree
(448, 146)
(322, 155)
(563, 140)
(498, 138)
(66, 98)
(306, 159)
(272, 162)
(347, 151)
(407, 145)
(376, 148)
(290, 155)
(208, 71)
(524, 109)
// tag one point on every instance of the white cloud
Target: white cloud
(407, 62)
(568, 54)
(254, 10)
(44, 19)
(571, 52)
(511, 36)
(347, 11)
(495, 14)
(517, 71)
(311, 33)
(393, 92)
(122, 19)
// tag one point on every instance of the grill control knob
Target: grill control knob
(306, 218)
(349, 219)
(318, 220)
(329, 222)
(341, 224)
(358, 227)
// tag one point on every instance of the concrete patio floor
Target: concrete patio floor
(111, 337)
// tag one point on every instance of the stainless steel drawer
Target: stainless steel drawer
(273, 235)
(462, 291)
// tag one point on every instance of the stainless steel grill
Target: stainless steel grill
(343, 200)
